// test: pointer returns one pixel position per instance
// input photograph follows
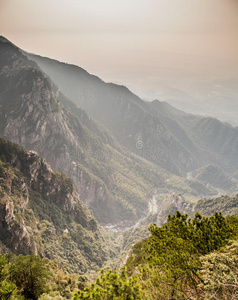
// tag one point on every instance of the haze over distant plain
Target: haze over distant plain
(181, 51)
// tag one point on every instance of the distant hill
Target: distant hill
(213, 175)
(211, 141)
(228, 205)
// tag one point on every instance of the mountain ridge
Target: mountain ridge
(103, 98)
(157, 125)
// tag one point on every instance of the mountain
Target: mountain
(126, 171)
(41, 213)
(115, 183)
(212, 141)
(123, 113)
(177, 141)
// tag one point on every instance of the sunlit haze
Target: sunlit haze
(173, 50)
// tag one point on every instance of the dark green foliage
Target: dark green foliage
(167, 264)
(169, 260)
(164, 266)
(113, 285)
(203, 234)
(8, 150)
(48, 217)
(233, 222)
(8, 289)
(39, 212)
(138, 256)
(31, 275)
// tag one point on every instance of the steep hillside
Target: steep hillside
(41, 213)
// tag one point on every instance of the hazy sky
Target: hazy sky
(144, 44)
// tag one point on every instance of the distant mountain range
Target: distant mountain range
(119, 150)
(176, 141)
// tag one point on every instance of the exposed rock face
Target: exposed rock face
(36, 204)
(16, 230)
(180, 203)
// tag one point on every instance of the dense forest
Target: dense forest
(186, 258)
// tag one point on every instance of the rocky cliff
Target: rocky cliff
(41, 213)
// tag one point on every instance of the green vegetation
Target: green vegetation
(32, 277)
(173, 263)
(55, 240)
(23, 277)
(184, 259)
(30, 274)
(113, 285)
(40, 212)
